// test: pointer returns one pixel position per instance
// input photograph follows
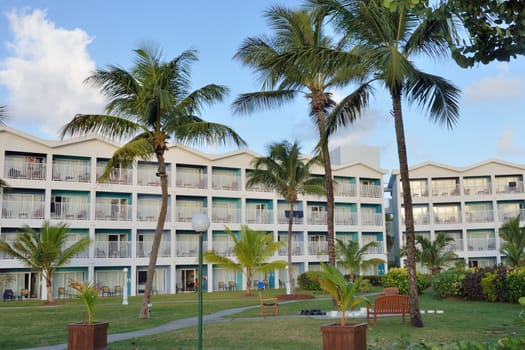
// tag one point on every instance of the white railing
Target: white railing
(372, 219)
(150, 212)
(144, 249)
(378, 249)
(476, 216)
(371, 191)
(344, 217)
(16, 168)
(506, 215)
(450, 219)
(258, 216)
(422, 219)
(298, 219)
(191, 179)
(70, 211)
(481, 244)
(445, 190)
(70, 172)
(226, 182)
(189, 248)
(455, 246)
(121, 176)
(112, 212)
(297, 248)
(509, 187)
(223, 248)
(185, 214)
(345, 189)
(317, 247)
(15, 209)
(112, 249)
(317, 218)
(258, 188)
(228, 215)
(477, 190)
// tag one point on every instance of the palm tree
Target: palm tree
(514, 245)
(3, 114)
(252, 249)
(283, 80)
(45, 250)
(147, 105)
(432, 254)
(351, 256)
(285, 172)
(387, 35)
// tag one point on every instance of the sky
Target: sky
(49, 47)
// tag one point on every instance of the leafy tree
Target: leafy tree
(351, 256)
(432, 254)
(387, 35)
(147, 105)
(252, 249)
(45, 250)
(496, 30)
(283, 80)
(285, 172)
(514, 245)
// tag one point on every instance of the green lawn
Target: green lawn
(25, 324)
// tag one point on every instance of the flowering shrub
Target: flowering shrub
(398, 277)
(448, 283)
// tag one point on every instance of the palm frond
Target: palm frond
(105, 125)
(261, 101)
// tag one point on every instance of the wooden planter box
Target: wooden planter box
(352, 336)
(84, 336)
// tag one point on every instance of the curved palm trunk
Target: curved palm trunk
(144, 307)
(49, 287)
(290, 274)
(415, 315)
(249, 274)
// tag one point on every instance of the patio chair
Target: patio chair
(61, 292)
(118, 290)
(269, 306)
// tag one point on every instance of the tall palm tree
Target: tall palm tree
(514, 245)
(147, 105)
(45, 250)
(432, 254)
(252, 250)
(351, 256)
(387, 35)
(283, 80)
(285, 172)
(3, 115)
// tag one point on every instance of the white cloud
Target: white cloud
(498, 87)
(45, 73)
(506, 144)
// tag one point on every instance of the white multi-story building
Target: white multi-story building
(469, 204)
(57, 181)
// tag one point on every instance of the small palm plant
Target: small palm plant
(88, 293)
(342, 291)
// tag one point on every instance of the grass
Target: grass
(461, 320)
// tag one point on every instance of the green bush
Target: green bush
(398, 277)
(375, 280)
(365, 286)
(305, 282)
(515, 284)
(448, 283)
(488, 286)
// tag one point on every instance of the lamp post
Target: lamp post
(200, 223)
(125, 290)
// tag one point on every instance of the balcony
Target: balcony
(223, 248)
(372, 219)
(510, 187)
(226, 182)
(344, 217)
(190, 179)
(371, 191)
(378, 249)
(283, 217)
(445, 190)
(447, 219)
(71, 172)
(318, 248)
(297, 248)
(144, 249)
(478, 190)
(150, 212)
(481, 244)
(318, 218)
(122, 176)
(226, 215)
(479, 216)
(345, 189)
(189, 247)
(70, 211)
(259, 188)
(185, 213)
(17, 209)
(24, 168)
(112, 249)
(456, 246)
(112, 212)
(259, 216)
(421, 219)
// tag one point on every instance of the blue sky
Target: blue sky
(48, 47)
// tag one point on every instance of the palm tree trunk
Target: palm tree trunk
(415, 315)
(49, 287)
(144, 307)
(290, 274)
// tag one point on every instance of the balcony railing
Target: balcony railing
(226, 215)
(191, 180)
(447, 219)
(317, 247)
(317, 218)
(189, 248)
(149, 178)
(223, 248)
(121, 176)
(297, 248)
(506, 215)
(371, 191)
(421, 219)
(26, 170)
(185, 214)
(112, 249)
(481, 244)
(369, 219)
(282, 217)
(478, 216)
(258, 216)
(259, 188)
(479, 190)
(144, 249)
(510, 187)
(226, 182)
(345, 189)
(150, 212)
(378, 249)
(63, 171)
(445, 190)
(458, 245)
(70, 211)
(112, 212)
(16, 209)
(345, 217)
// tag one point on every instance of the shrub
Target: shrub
(488, 286)
(448, 283)
(365, 286)
(305, 282)
(515, 284)
(472, 289)
(375, 280)
(398, 277)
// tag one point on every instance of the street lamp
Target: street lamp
(200, 223)
(125, 291)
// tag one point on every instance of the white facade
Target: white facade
(57, 181)
(469, 204)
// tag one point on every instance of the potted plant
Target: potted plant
(87, 335)
(341, 335)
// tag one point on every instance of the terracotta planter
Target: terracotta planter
(352, 336)
(85, 336)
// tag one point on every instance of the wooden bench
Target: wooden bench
(269, 306)
(392, 304)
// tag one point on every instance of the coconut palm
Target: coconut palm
(45, 250)
(147, 105)
(284, 80)
(351, 257)
(253, 250)
(387, 35)
(285, 172)
(433, 254)
(514, 245)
